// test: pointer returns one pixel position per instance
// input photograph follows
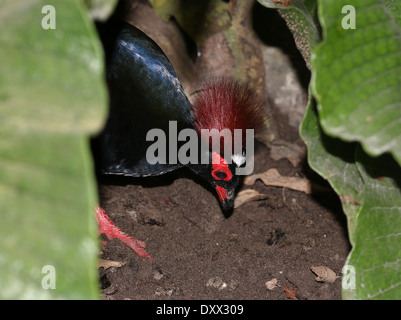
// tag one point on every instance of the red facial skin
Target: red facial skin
(221, 193)
(220, 164)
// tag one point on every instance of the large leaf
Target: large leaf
(334, 160)
(52, 96)
(376, 254)
(357, 76)
(301, 18)
(353, 73)
(371, 197)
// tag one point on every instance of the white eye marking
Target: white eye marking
(238, 159)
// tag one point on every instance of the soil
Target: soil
(200, 253)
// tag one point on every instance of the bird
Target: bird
(146, 94)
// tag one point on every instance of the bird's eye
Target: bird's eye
(220, 169)
(221, 174)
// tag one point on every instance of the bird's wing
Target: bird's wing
(145, 94)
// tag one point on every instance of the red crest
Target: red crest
(227, 104)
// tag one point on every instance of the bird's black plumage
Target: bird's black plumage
(145, 94)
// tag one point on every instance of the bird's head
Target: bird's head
(221, 107)
(221, 174)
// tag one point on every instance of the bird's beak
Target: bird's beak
(226, 198)
(228, 204)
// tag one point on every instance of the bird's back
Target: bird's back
(145, 94)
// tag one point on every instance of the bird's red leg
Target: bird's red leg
(107, 227)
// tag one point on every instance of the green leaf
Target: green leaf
(376, 254)
(334, 160)
(395, 9)
(355, 80)
(301, 18)
(52, 97)
(357, 76)
(55, 68)
(100, 9)
(370, 193)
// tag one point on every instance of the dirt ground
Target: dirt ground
(199, 253)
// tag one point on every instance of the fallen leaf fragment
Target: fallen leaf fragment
(110, 263)
(217, 283)
(324, 274)
(291, 292)
(272, 284)
(247, 195)
(272, 177)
